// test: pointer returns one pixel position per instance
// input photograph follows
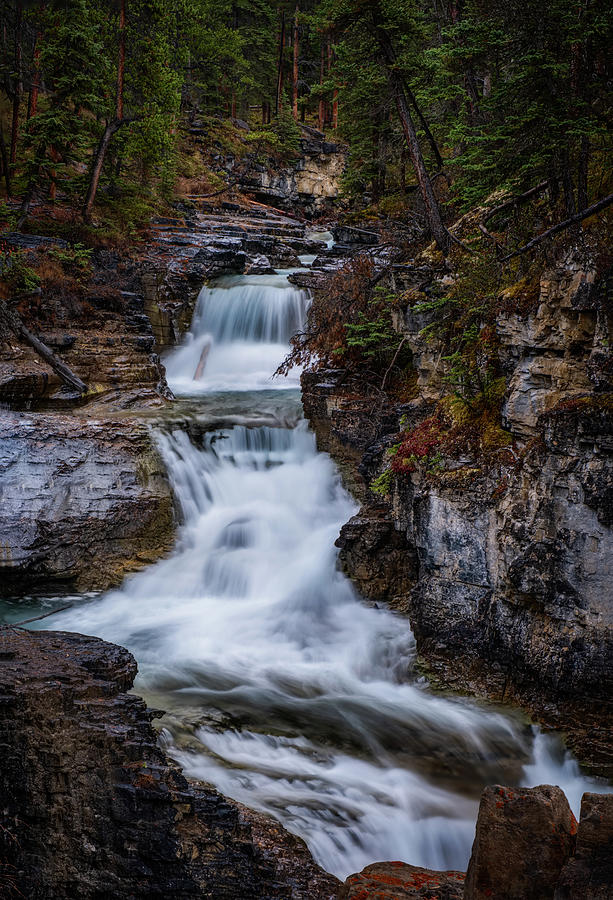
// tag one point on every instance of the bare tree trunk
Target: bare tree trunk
(121, 60)
(5, 163)
(279, 99)
(296, 49)
(114, 125)
(322, 107)
(33, 99)
(18, 81)
(433, 213)
(97, 164)
(584, 160)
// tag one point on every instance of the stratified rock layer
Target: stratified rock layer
(91, 807)
(83, 501)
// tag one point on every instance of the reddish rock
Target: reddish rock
(589, 874)
(399, 881)
(523, 839)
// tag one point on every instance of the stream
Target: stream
(282, 687)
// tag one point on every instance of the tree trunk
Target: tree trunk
(33, 99)
(5, 163)
(322, 107)
(433, 213)
(97, 164)
(296, 49)
(584, 160)
(279, 99)
(18, 81)
(121, 60)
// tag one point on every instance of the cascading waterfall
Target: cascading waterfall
(242, 326)
(282, 687)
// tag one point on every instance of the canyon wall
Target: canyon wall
(503, 562)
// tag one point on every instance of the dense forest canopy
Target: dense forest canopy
(450, 98)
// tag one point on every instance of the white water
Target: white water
(247, 321)
(282, 688)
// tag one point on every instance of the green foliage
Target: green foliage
(382, 485)
(76, 259)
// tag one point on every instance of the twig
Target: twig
(393, 362)
(561, 226)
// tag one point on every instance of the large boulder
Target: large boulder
(589, 874)
(399, 881)
(524, 837)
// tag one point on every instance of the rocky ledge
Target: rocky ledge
(92, 808)
(83, 501)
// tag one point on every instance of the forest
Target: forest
(454, 100)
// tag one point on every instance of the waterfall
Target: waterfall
(282, 688)
(243, 326)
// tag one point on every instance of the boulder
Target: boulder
(589, 874)
(399, 881)
(524, 837)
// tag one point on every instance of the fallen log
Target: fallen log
(15, 324)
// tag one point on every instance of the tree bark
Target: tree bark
(113, 126)
(433, 213)
(5, 163)
(279, 98)
(121, 60)
(296, 50)
(322, 107)
(584, 160)
(18, 82)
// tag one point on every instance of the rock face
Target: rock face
(523, 839)
(92, 808)
(83, 501)
(309, 183)
(524, 849)
(509, 559)
(399, 881)
(589, 874)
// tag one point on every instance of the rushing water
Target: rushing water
(282, 687)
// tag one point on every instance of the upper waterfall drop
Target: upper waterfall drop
(239, 336)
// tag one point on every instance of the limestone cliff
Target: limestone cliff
(505, 567)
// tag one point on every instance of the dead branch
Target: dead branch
(561, 226)
(538, 189)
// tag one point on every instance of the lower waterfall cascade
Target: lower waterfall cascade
(283, 689)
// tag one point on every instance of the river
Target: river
(282, 687)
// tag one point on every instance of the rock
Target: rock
(92, 808)
(376, 556)
(346, 234)
(589, 874)
(259, 265)
(98, 503)
(523, 839)
(399, 881)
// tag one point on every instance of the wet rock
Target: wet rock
(92, 808)
(376, 556)
(259, 265)
(399, 881)
(523, 839)
(98, 503)
(346, 234)
(589, 874)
